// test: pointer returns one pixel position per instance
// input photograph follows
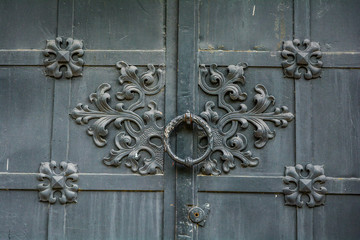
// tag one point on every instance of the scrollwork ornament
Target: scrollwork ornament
(305, 55)
(230, 142)
(304, 181)
(66, 53)
(135, 142)
(58, 179)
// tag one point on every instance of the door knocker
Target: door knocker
(188, 118)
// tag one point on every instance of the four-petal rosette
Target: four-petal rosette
(58, 179)
(305, 181)
(65, 53)
(305, 55)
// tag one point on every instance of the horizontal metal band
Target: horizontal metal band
(27, 57)
(88, 182)
(120, 182)
(270, 184)
(343, 185)
(274, 59)
(129, 182)
(263, 184)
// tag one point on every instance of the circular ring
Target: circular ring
(188, 118)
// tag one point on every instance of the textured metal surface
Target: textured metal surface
(308, 183)
(188, 118)
(58, 179)
(231, 143)
(113, 202)
(66, 53)
(199, 215)
(299, 56)
(130, 142)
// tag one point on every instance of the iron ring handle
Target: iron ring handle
(188, 118)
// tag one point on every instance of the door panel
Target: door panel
(22, 217)
(21, 26)
(42, 120)
(244, 25)
(117, 215)
(243, 216)
(26, 96)
(120, 25)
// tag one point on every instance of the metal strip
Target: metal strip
(143, 57)
(170, 112)
(186, 89)
(29, 57)
(88, 182)
(273, 59)
(303, 137)
(60, 123)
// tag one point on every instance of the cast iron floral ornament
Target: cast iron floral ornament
(304, 181)
(230, 143)
(305, 55)
(58, 179)
(63, 53)
(138, 137)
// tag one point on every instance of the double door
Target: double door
(157, 119)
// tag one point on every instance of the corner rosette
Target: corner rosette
(304, 181)
(65, 53)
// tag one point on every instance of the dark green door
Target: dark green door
(179, 119)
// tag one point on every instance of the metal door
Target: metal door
(157, 119)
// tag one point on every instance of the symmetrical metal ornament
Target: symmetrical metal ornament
(305, 182)
(305, 55)
(136, 140)
(229, 141)
(58, 179)
(63, 53)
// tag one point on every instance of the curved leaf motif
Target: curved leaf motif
(257, 116)
(230, 143)
(61, 182)
(68, 56)
(133, 143)
(304, 182)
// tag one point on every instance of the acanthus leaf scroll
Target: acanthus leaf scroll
(231, 143)
(134, 140)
